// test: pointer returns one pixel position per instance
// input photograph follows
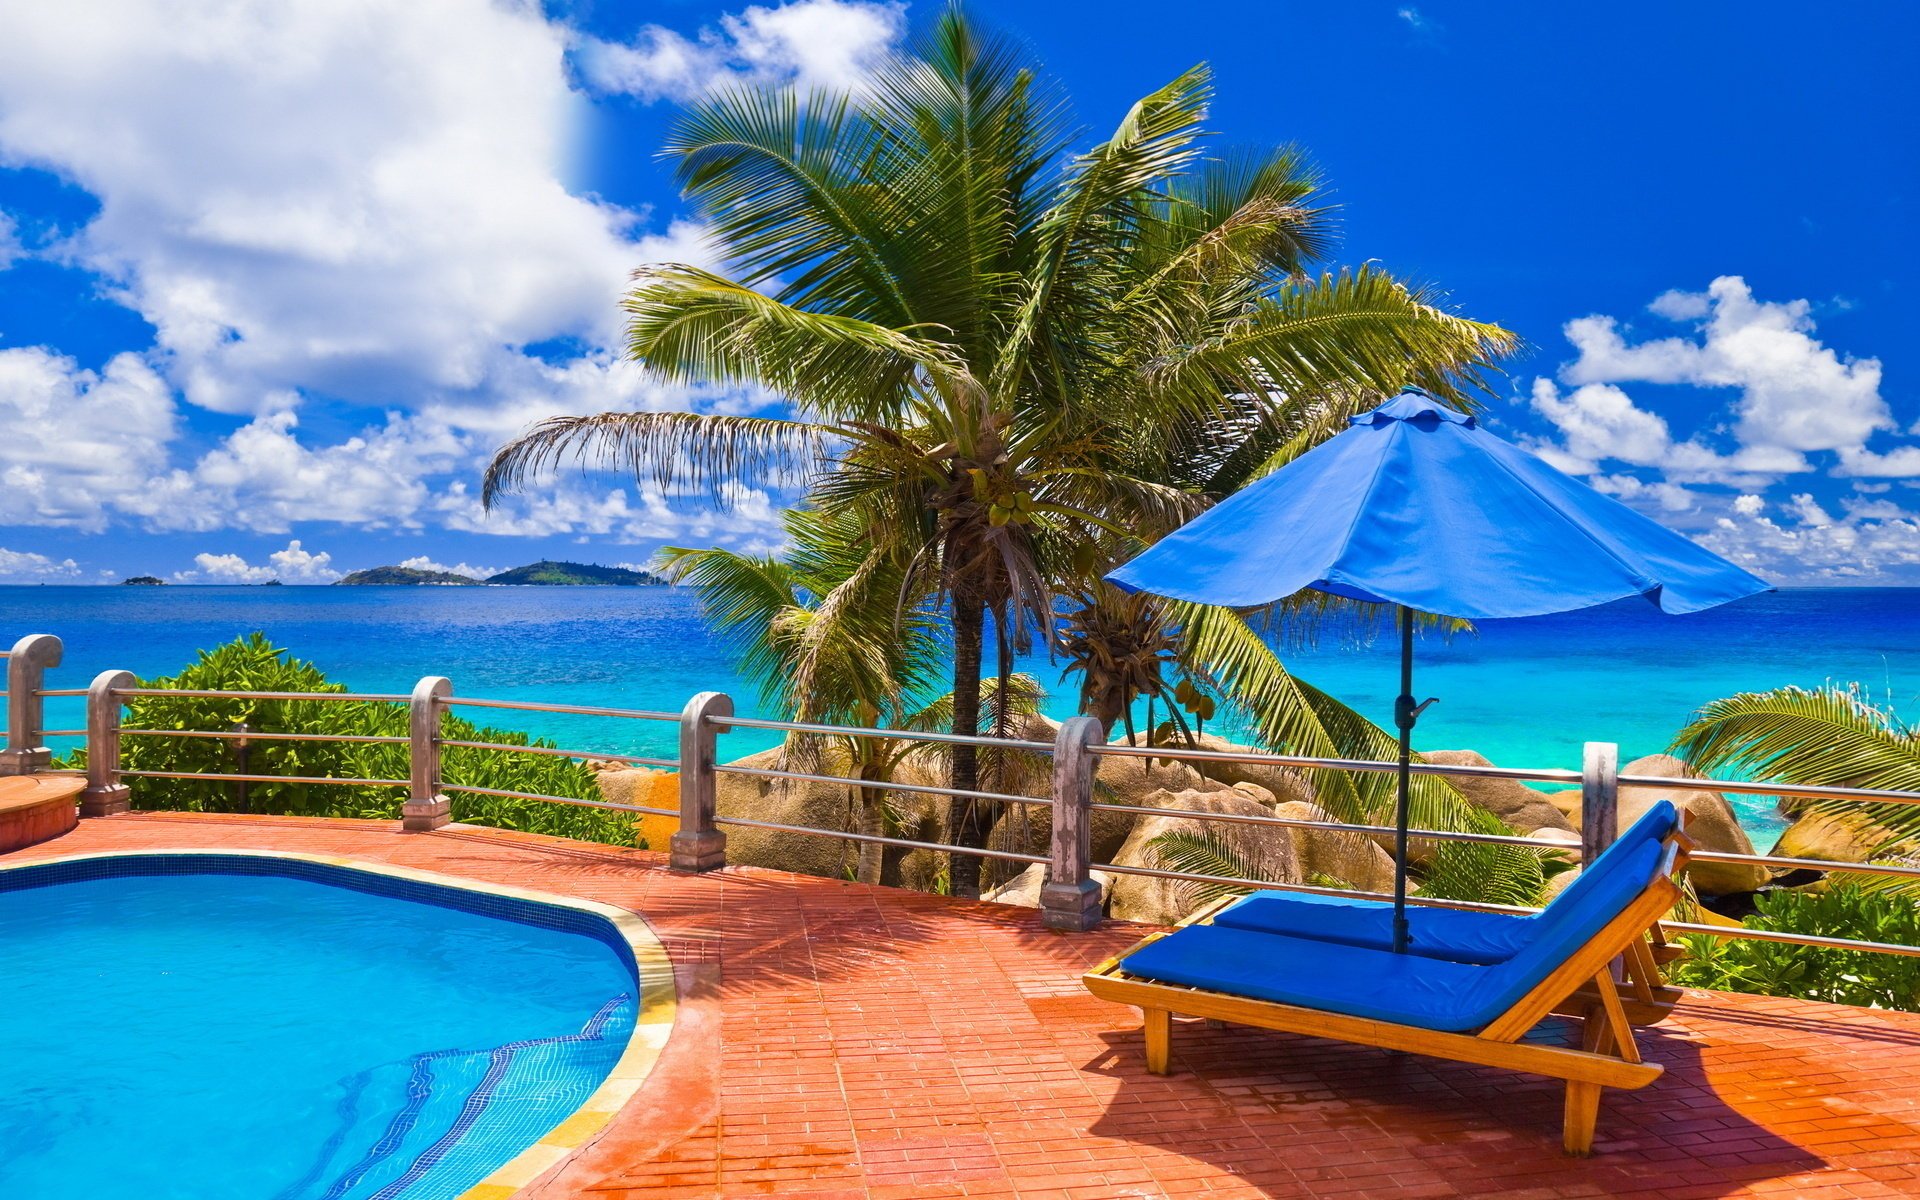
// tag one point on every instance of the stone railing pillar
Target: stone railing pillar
(105, 795)
(1599, 799)
(1070, 899)
(32, 656)
(699, 845)
(426, 807)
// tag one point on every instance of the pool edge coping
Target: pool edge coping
(653, 1023)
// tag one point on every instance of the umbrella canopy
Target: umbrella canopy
(1417, 506)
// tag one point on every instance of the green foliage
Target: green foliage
(253, 664)
(1812, 972)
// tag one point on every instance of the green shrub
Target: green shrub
(1811, 972)
(253, 664)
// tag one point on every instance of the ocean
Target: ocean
(1525, 693)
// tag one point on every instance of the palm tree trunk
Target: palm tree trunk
(964, 816)
(873, 823)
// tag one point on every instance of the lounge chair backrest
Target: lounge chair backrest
(1655, 825)
(1566, 929)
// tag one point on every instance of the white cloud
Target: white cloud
(816, 44)
(78, 444)
(1796, 395)
(24, 566)
(1870, 542)
(1667, 497)
(1598, 422)
(10, 248)
(352, 196)
(295, 564)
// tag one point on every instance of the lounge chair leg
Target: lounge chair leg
(1159, 1030)
(1583, 1112)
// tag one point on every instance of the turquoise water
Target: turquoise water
(258, 1037)
(1526, 693)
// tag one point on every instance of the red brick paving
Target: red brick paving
(836, 1042)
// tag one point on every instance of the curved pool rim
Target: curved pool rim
(652, 969)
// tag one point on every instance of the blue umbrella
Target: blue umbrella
(1415, 505)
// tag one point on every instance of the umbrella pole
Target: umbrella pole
(1405, 713)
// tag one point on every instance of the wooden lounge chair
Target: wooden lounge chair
(1472, 1013)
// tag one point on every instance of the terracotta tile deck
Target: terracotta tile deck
(837, 1041)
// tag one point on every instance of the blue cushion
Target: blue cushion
(1403, 989)
(1457, 935)
(1406, 989)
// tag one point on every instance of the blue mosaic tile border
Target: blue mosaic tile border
(489, 904)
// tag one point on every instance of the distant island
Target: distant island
(406, 576)
(143, 581)
(542, 574)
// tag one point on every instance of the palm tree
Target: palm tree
(1825, 737)
(979, 333)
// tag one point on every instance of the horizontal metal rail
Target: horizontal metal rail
(1122, 750)
(1266, 885)
(1497, 839)
(47, 733)
(577, 803)
(636, 759)
(1791, 791)
(1807, 864)
(257, 736)
(881, 786)
(61, 692)
(900, 735)
(324, 779)
(583, 710)
(379, 697)
(1797, 939)
(878, 840)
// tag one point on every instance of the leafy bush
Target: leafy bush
(1810, 972)
(253, 664)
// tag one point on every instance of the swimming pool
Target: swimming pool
(271, 1027)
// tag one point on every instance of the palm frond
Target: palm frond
(673, 449)
(1826, 737)
(693, 325)
(1206, 854)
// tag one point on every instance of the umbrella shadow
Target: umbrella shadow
(1298, 1116)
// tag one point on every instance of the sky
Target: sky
(278, 276)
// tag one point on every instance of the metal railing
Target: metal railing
(1070, 897)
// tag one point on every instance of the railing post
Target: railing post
(1070, 899)
(426, 806)
(1599, 799)
(699, 845)
(26, 709)
(105, 795)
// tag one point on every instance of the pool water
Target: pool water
(292, 1031)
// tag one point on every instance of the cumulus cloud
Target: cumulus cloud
(79, 444)
(350, 196)
(1800, 541)
(815, 44)
(295, 564)
(1796, 397)
(1598, 422)
(24, 566)
(1796, 394)
(10, 248)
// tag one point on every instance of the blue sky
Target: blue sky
(275, 278)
